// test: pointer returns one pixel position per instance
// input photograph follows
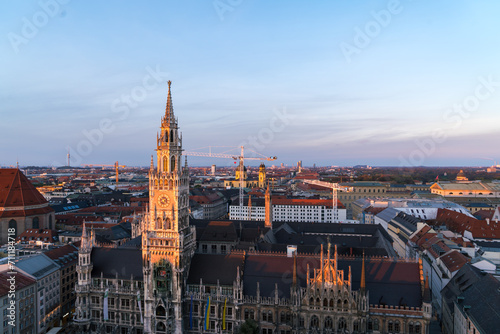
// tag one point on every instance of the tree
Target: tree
(250, 326)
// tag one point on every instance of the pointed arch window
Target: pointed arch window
(165, 164)
(172, 163)
(342, 324)
(328, 323)
(314, 322)
(160, 311)
(171, 136)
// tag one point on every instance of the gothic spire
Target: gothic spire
(295, 268)
(363, 281)
(169, 110)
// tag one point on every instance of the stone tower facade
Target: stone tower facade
(84, 271)
(168, 242)
(262, 176)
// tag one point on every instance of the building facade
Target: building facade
(290, 210)
(20, 317)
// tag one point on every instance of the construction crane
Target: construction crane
(116, 166)
(241, 158)
(335, 187)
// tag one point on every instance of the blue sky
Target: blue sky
(326, 82)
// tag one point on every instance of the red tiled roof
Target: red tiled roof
(37, 234)
(307, 176)
(483, 214)
(372, 210)
(453, 261)
(73, 219)
(61, 252)
(22, 281)
(423, 231)
(438, 243)
(305, 202)
(205, 199)
(459, 223)
(17, 191)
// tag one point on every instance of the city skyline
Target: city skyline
(383, 83)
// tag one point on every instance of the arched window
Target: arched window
(325, 302)
(411, 327)
(36, 222)
(328, 322)
(172, 163)
(331, 303)
(339, 305)
(282, 317)
(160, 311)
(160, 327)
(171, 136)
(376, 324)
(390, 326)
(247, 314)
(342, 324)
(417, 328)
(165, 164)
(314, 322)
(270, 316)
(13, 224)
(311, 301)
(397, 326)
(346, 305)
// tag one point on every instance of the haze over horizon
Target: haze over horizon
(381, 83)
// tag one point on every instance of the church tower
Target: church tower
(168, 242)
(262, 176)
(84, 270)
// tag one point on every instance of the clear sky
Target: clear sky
(325, 82)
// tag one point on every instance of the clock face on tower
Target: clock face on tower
(163, 201)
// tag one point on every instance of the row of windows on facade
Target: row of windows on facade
(124, 302)
(96, 282)
(204, 249)
(480, 193)
(22, 324)
(225, 291)
(35, 224)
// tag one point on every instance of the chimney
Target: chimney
(487, 221)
